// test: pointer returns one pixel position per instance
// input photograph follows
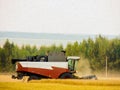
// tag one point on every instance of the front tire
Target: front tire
(66, 76)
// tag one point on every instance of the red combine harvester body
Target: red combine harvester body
(55, 65)
(50, 71)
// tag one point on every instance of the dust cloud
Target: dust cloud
(83, 67)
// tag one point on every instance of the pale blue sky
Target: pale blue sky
(61, 16)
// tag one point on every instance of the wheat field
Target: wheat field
(59, 84)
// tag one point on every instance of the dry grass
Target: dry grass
(7, 78)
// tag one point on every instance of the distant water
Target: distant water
(46, 39)
(36, 42)
(44, 36)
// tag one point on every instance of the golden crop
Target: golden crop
(57, 84)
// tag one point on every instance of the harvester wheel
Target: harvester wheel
(66, 76)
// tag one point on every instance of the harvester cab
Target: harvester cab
(72, 63)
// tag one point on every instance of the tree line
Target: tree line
(95, 50)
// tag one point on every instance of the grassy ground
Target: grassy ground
(6, 83)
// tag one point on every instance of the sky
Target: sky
(61, 16)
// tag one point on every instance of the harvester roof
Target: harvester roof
(73, 57)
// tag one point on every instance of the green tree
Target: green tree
(34, 50)
(113, 54)
(8, 55)
(3, 60)
(83, 48)
(43, 50)
(59, 48)
(90, 48)
(76, 49)
(15, 52)
(69, 49)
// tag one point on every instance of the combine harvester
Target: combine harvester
(55, 65)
